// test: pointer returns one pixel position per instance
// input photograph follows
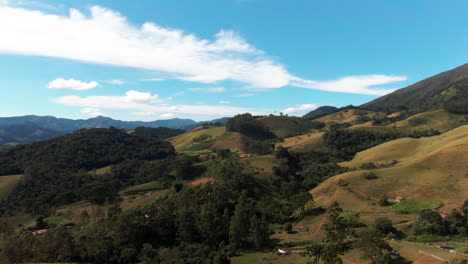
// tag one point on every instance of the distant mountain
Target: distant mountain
(319, 112)
(24, 133)
(31, 128)
(442, 90)
(65, 125)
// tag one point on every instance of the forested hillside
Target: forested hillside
(56, 170)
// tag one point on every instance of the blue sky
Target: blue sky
(148, 60)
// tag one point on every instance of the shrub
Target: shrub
(370, 176)
(417, 121)
(343, 182)
(368, 166)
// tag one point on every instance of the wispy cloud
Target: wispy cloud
(209, 89)
(245, 95)
(152, 79)
(146, 104)
(116, 82)
(73, 84)
(110, 39)
(224, 102)
(303, 107)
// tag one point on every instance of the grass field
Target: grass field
(413, 206)
(154, 185)
(7, 183)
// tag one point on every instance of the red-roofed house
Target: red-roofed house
(39, 232)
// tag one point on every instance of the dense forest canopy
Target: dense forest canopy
(158, 132)
(248, 125)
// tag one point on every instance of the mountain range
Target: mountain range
(30, 128)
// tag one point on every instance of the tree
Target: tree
(375, 247)
(287, 227)
(384, 226)
(240, 223)
(336, 228)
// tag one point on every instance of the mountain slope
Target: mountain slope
(24, 133)
(428, 94)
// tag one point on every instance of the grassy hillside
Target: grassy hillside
(429, 169)
(7, 183)
(307, 142)
(287, 126)
(440, 120)
(231, 140)
(352, 116)
(199, 134)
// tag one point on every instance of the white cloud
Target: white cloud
(92, 111)
(4, 2)
(73, 84)
(209, 89)
(167, 115)
(300, 108)
(106, 37)
(147, 104)
(352, 84)
(224, 102)
(116, 82)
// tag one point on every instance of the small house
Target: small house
(398, 199)
(39, 232)
(443, 246)
(303, 229)
(283, 251)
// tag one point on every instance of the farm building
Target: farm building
(39, 232)
(303, 229)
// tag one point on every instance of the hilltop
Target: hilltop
(321, 111)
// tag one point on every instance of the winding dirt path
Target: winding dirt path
(319, 226)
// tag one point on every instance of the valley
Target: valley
(352, 184)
